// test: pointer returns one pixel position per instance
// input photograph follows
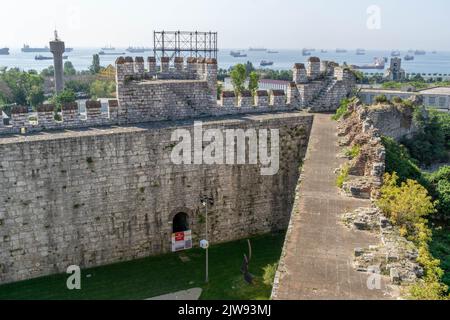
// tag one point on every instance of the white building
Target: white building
(437, 97)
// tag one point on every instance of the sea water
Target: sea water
(81, 58)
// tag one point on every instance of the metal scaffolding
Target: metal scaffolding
(185, 44)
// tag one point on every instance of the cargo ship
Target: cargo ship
(138, 49)
(306, 52)
(103, 53)
(409, 58)
(272, 52)
(108, 48)
(420, 52)
(257, 49)
(237, 54)
(27, 48)
(378, 63)
(266, 63)
(4, 51)
(341, 51)
(395, 53)
(360, 52)
(41, 57)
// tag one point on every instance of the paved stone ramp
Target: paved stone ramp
(186, 295)
(318, 253)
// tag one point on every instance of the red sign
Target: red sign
(179, 236)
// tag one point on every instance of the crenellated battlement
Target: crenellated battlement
(46, 117)
(187, 88)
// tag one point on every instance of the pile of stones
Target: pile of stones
(395, 256)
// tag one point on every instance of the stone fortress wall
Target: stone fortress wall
(100, 196)
(188, 90)
(108, 193)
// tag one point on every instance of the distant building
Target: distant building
(436, 98)
(263, 84)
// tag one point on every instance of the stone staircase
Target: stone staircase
(322, 99)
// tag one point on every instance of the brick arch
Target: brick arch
(181, 219)
(188, 211)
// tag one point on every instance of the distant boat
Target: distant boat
(137, 49)
(272, 52)
(41, 57)
(103, 53)
(4, 51)
(266, 63)
(108, 48)
(420, 52)
(257, 49)
(409, 57)
(323, 51)
(378, 63)
(341, 50)
(237, 54)
(26, 48)
(396, 53)
(360, 52)
(306, 52)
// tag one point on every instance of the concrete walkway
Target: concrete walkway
(186, 295)
(318, 253)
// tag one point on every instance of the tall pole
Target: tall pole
(207, 261)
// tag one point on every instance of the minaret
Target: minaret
(57, 47)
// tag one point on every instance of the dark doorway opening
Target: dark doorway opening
(180, 222)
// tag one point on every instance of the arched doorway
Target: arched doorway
(180, 223)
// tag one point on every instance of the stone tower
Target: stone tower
(57, 47)
(395, 72)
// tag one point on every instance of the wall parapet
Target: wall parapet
(46, 117)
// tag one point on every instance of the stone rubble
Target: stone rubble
(395, 256)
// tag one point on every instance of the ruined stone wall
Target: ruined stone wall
(395, 121)
(100, 196)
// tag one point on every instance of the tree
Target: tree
(102, 89)
(65, 96)
(69, 70)
(48, 72)
(35, 96)
(253, 83)
(22, 87)
(238, 76)
(249, 68)
(95, 67)
(407, 205)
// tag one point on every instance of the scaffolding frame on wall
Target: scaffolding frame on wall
(185, 44)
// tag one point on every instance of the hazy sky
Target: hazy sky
(383, 24)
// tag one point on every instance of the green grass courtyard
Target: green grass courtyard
(154, 276)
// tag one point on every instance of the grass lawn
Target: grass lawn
(154, 276)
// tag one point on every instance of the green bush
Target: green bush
(353, 152)
(381, 99)
(343, 176)
(397, 100)
(342, 111)
(440, 186)
(429, 145)
(269, 274)
(398, 160)
(406, 205)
